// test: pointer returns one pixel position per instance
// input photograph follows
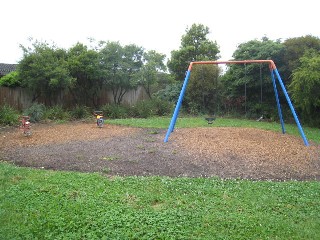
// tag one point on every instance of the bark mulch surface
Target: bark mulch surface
(244, 153)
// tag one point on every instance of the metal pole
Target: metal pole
(292, 108)
(176, 111)
(278, 102)
(245, 89)
(261, 84)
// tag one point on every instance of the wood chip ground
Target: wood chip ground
(244, 153)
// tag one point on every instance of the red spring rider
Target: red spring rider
(25, 125)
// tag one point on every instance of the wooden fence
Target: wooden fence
(21, 98)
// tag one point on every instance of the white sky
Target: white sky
(154, 25)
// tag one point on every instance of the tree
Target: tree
(195, 46)
(241, 80)
(294, 49)
(149, 73)
(203, 90)
(305, 87)
(84, 67)
(121, 66)
(43, 69)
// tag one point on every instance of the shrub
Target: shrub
(162, 107)
(8, 115)
(80, 112)
(10, 80)
(115, 111)
(57, 113)
(36, 112)
(142, 109)
(194, 108)
(170, 93)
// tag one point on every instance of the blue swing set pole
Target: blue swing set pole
(178, 106)
(291, 107)
(278, 102)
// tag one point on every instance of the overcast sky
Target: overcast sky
(154, 25)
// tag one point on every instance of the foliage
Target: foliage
(143, 109)
(170, 93)
(150, 108)
(259, 49)
(115, 111)
(305, 87)
(294, 49)
(85, 69)
(161, 107)
(149, 73)
(47, 70)
(57, 113)
(10, 80)
(121, 66)
(195, 46)
(36, 112)
(247, 85)
(40, 204)
(8, 115)
(203, 91)
(80, 112)
(44, 71)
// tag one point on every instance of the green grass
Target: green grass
(41, 204)
(192, 122)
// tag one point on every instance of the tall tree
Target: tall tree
(121, 66)
(294, 49)
(84, 67)
(195, 46)
(43, 69)
(149, 73)
(203, 91)
(241, 80)
(305, 87)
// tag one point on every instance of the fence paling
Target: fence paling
(20, 98)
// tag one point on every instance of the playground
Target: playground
(225, 152)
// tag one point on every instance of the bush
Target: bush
(152, 107)
(80, 112)
(142, 109)
(10, 80)
(162, 107)
(170, 93)
(115, 111)
(36, 112)
(8, 115)
(57, 113)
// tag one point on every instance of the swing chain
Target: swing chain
(245, 89)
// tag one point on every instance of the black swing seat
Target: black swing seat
(210, 119)
(260, 118)
(98, 112)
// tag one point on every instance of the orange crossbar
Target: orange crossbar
(271, 63)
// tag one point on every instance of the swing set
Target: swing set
(273, 71)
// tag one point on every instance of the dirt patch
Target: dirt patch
(198, 152)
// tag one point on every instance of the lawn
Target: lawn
(43, 204)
